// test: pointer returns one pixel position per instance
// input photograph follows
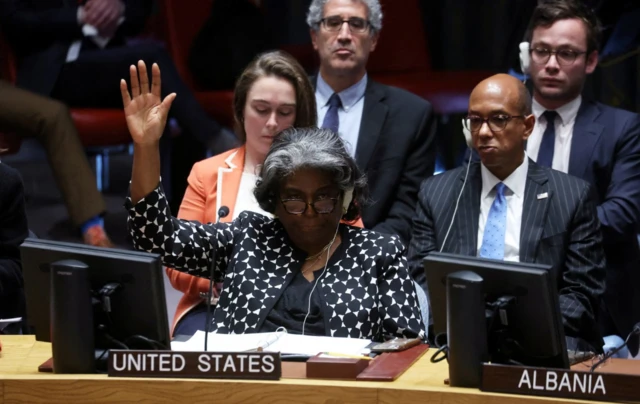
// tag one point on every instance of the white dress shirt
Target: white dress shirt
(89, 31)
(564, 133)
(246, 200)
(349, 116)
(514, 195)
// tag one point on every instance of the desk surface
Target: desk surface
(423, 382)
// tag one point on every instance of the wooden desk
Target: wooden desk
(423, 383)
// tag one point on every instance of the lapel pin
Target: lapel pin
(543, 195)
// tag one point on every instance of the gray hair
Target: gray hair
(316, 13)
(322, 149)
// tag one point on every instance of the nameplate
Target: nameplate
(560, 383)
(213, 365)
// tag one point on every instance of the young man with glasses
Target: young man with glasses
(506, 207)
(589, 140)
(389, 131)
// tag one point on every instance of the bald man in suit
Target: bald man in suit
(512, 209)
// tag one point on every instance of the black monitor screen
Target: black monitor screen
(533, 320)
(137, 308)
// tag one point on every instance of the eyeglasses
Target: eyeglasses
(334, 24)
(565, 57)
(298, 206)
(496, 122)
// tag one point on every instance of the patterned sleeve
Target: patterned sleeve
(399, 307)
(184, 245)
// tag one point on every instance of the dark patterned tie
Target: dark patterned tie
(545, 154)
(331, 120)
(496, 227)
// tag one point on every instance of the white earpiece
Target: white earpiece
(467, 133)
(525, 58)
(346, 200)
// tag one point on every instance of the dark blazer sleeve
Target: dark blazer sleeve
(423, 237)
(13, 231)
(418, 166)
(29, 26)
(583, 278)
(619, 213)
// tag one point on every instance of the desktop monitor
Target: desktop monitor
(533, 321)
(138, 306)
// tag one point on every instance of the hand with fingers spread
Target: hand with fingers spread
(146, 115)
(145, 111)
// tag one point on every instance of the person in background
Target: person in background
(303, 270)
(390, 132)
(28, 114)
(272, 94)
(509, 208)
(589, 140)
(74, 51)
(13, 231)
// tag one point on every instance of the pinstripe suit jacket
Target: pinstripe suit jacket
(561, 230)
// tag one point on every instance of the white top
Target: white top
(514, 195)
(564, 133)
(349, 116)
(245, 199)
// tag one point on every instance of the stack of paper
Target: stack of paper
(273, 342)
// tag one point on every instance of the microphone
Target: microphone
(634, 331)
(222, 212)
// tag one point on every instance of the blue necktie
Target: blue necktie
(331, 120)
(496, 227)
(545, 154)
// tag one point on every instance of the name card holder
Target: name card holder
(560, 383)
(319, 367)
(203, 365)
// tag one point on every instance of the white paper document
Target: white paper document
(273, 342)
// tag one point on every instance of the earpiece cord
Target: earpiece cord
(455, 210)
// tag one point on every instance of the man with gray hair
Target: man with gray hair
(389, 131)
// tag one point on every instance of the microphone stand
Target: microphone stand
(222, 212)
(634, 331)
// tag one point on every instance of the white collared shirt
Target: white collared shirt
(246, 200)
(564, 133)
(350, 115)
(514, 195)
(89, 31)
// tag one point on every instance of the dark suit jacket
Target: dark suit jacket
(13, 231)
(396, 149)
(561, 230)
(605, 151)
(41, 31)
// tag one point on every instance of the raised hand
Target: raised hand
(145, 111)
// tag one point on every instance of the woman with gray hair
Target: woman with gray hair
(303, 270)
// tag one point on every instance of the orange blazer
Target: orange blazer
(213, 182)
